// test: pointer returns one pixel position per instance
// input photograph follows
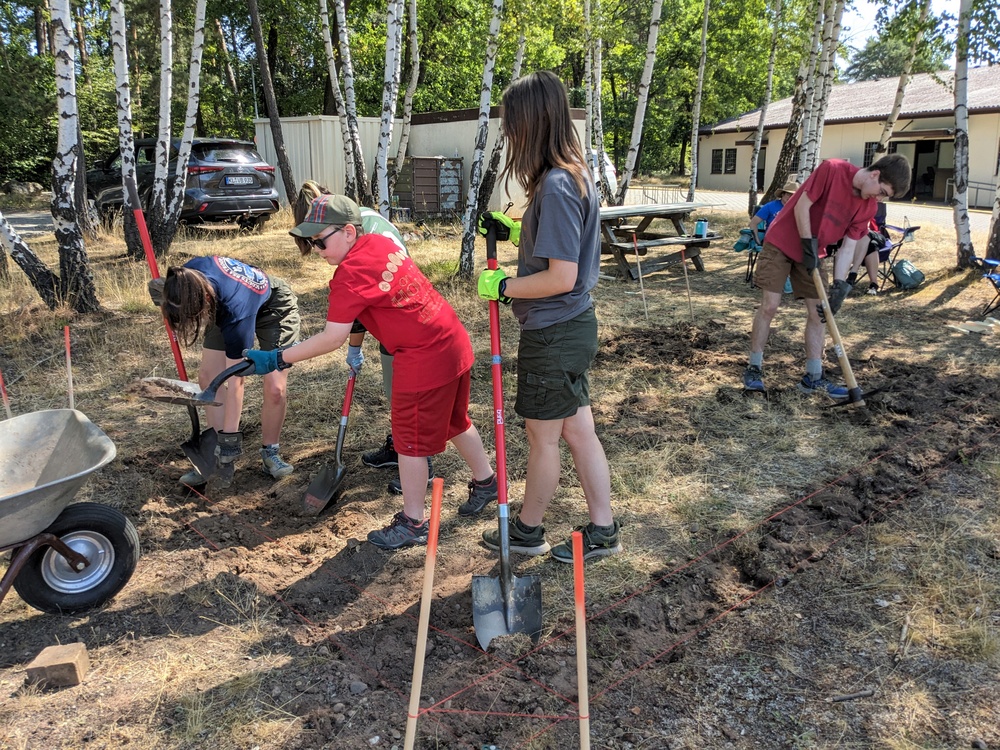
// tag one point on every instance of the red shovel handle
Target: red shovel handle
(498, 432)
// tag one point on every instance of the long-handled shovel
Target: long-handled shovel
(854, 395)
(508, 604)
(200, 447)
(325, 485)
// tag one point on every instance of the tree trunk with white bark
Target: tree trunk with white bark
(350, 176)
(126, 143)
(411, 87)
(904, 80)
(347, 67)
(156, 200)
(696, 106)
(390, 91)
(960, 200)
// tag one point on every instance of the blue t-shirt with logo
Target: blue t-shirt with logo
(241, 290)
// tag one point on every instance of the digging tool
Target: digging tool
(187, 394)
(6, 400)
(200, 447)
(854, 395)
(508, 604)
(425, 613)
(325, 485)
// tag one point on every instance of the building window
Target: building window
(716, 161)
(730, 161)
(870, 147)
(795, 162)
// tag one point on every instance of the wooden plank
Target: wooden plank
(644, 245)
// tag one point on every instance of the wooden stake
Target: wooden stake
(69, 369)
(581, 641)
(3, 392)
(687, 282)
(425, 614)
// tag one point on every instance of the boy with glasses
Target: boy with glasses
(836, 202)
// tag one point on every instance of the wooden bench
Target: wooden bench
(623, 249)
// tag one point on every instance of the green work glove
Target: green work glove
(507, 228)
(810, 253)
(838, 293)
(492, 285)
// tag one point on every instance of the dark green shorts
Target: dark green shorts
(552, 365)
(278, 322)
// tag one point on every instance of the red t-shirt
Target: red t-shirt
(380, 285)
(837, 211)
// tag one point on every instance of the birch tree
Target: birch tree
(598, 116)
(156, 202)
(347, 67)
(411, 87)
(640, 105)
(832, 45)
(466, 263)
(904, 78)
(960, 199)
(41, 278)
(696, 105)
(126, 142)
(809, 85)
(390, 90)
(350, 176)
(759, 133)
(267, 83)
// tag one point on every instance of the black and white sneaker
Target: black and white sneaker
(383, 458)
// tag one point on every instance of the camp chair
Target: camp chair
(887, 255)
(991, 272)
(746, 242)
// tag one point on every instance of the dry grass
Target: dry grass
(215, 661)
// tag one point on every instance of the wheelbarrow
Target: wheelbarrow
(65, 557)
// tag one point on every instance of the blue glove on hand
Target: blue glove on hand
(263, 362)
(492, 285)
(355, 358)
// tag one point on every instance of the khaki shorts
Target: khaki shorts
(552, 365)
(773, 267)
(278, 322)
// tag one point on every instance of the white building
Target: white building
(855, 117)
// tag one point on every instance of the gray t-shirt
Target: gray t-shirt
(559, 225)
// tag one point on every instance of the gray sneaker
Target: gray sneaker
(527, 543)
(401, 532)
(274, 464)
(753, 379)
(595, 544)
(480, 495)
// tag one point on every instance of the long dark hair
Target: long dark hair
(188, 303)
(540, 133)
(309, 192)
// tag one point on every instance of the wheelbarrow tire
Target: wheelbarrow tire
(101, 534)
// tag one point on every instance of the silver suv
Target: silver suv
(227, 181)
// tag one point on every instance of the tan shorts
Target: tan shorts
(773, 267)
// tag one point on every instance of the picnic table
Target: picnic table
(625, 234)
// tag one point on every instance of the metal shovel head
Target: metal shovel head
(172, 391)
(496, 612)
(855, 398)
(322, 489)
(201, 451)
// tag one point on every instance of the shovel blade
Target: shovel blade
(322, 489)
(495, 614)
(172, 391)
(201, 451)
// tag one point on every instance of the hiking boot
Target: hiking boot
(193, 478)
(274, 464)
(480, 495)
(821, 385)
(595, 544)
(401, 532)
(525, 542)
(395, 488)
(382, 458)
(753, 379)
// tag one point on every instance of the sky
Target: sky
(862, 19)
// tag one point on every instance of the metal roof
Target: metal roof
(927, 95)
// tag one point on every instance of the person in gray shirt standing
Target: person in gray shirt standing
(557, 267)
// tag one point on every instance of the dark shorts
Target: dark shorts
(424, 421)
(773, 267)
(278, 322)
(552, 365)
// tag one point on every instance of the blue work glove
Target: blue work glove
(355, 358)
(263, 362)
(810, 253)
(492, 285)
(838, 293)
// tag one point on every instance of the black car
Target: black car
(227, 181)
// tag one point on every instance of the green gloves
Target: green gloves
(492, 285)
(507, 228)
(810, 253)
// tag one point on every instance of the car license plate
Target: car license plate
(239, 179)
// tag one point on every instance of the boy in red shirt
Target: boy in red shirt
(836, 202)
(378, 284)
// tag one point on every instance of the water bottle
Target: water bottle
(701, 227)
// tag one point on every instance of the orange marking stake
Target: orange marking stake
(581, 641)
(425, 613)
(69, 369)
(6, 401)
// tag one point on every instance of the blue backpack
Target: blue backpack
(905, 275)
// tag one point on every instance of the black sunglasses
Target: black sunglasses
(320, 242)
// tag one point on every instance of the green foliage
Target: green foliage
(886, 56)
(27, 111)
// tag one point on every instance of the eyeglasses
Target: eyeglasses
(319, 243)
(882, 195)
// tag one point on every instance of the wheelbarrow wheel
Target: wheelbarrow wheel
(101, 534)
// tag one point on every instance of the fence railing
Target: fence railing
(981, 194)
